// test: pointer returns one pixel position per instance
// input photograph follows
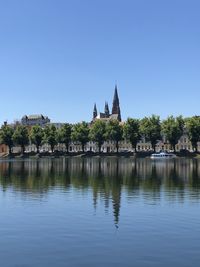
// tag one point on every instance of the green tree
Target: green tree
(114, 132)
(131, 131)
(36, 136)
(21, 137)
(80, 133)
(150, 128)
(98, 133)
(64, 135)
(51, 136)
(6, 136)
(172, 129)
(193, 129)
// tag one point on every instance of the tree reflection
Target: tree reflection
(108, 178)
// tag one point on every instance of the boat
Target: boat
(162, 155)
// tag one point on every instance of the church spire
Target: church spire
(106, 110)
(116, 98)
(116, 107)
(95, 111)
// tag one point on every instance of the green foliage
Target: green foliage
(51, 136)
(114, 132)
(131, 131)
(64, 135)
(193, 130)
(98, 133)
(80, 133)
(6, 136)
(21, 137)
(172, 128)
(150, 128)
(36, 136)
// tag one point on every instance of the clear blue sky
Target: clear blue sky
(58, 57)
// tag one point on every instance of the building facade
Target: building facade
(32, 120)
(3, 149)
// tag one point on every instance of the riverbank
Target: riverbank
(57, 154)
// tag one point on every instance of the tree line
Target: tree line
(151, 128)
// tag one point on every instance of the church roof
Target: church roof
(34, 117)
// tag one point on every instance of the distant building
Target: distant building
(3, 149)
(35, 120)
(58, 125)
(116, 112)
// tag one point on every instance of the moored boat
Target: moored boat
(162, 155)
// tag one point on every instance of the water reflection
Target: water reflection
(109, 178)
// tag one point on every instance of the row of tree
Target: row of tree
(150, 128)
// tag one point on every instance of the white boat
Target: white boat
(162, 155)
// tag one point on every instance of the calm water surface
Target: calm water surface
(100, 212)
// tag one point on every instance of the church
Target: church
(106, 115)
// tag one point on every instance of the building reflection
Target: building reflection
(110, 179)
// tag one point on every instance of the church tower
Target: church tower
(116, 107)
(95, 111)
(106, 110)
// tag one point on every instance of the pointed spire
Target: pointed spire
(116, 107)
(95, 111)
(116, 98)
(106, 110)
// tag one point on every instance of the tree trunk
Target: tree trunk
(67, 147)
(154, 147)
(38, 151)
(52, 148)
(23, 149)
(195, 147)
(99, 148)
(135, 148)
(117, 146)
(174, 148)
(83, 148)
(10, 150)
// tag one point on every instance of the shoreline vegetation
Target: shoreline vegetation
(91, 137)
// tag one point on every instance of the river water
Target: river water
(100, 212)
